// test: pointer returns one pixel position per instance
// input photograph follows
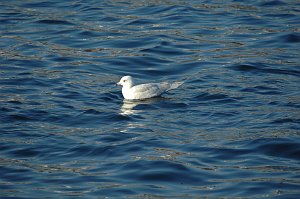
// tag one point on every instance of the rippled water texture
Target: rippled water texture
(231, 130)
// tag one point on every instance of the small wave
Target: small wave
(261, 68)
(54, 22)
(281, 147)
(291, 38)
(273, 3)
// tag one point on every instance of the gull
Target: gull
(144, 91)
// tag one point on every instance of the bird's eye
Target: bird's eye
(124, 80)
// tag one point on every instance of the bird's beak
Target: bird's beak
(118, 84)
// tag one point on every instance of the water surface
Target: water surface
(232, 129)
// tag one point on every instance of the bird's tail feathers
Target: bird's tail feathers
(175, 85)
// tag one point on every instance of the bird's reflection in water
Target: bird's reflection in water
(128, 107)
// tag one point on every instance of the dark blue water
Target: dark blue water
(232, 130)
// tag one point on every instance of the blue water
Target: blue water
(232, 130)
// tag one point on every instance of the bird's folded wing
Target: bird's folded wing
(150, 90)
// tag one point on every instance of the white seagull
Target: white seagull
(144, 91)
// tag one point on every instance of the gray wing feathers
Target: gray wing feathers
(147, 90)
(154, 89)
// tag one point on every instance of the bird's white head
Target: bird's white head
(126, 81)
